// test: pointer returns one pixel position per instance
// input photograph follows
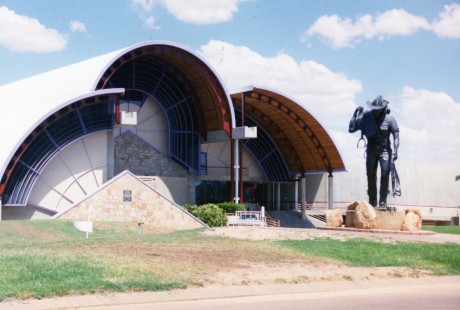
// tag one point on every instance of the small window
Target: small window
(127, 195)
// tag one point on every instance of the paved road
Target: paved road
(424, 293)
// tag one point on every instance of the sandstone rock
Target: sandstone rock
(334, 218)
(390, 220)
(364, 215)
(412, 220)
(350, 214)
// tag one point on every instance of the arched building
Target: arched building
(161, 112)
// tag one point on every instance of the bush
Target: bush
(211, 214)
(231, 207)
(190, 208)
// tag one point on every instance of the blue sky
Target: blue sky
(330, 56)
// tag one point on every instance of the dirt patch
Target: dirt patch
(237, 260)
(234, 259)
(295, 271)
(23, 231)
(278, 233)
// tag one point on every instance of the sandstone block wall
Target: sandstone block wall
(113, 203)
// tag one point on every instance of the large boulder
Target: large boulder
(412, 220)
(361, 214)
(350, 214)
(334, 218)
(390, 220)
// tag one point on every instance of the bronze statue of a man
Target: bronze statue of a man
(377, 124)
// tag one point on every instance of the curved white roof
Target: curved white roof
(25, 103)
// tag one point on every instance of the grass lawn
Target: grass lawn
(51, 258)
(443, 229)
(441, 259)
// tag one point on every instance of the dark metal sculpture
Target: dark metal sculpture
(376, 125)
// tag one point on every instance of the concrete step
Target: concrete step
(291, 219)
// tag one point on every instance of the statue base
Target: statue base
(379, 231)
(387, 220)
(361, 215)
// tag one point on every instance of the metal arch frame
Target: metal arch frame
(299, 122)
(268, 140)
(26, 166)
(176, 97)
(286, 141)
(199, 65)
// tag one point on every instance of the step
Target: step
(291, 219)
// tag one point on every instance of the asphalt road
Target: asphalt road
(412, 293)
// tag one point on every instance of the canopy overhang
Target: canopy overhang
(304, 143)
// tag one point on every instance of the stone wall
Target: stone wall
(126, 198)
(133, 154)
(171, 179)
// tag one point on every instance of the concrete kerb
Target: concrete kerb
(150, 299)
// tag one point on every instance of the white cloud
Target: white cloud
(429, 130)
(428, 121)
(77, 26)
(202, 12)
(328, 95)
(24, 34)
(144, 9)
(343, 32)
(448, 23)
(430, 126)
(199, 12)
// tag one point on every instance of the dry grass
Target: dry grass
(115, 257)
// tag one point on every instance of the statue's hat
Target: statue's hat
(378, 103)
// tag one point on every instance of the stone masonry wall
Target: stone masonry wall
(133, 154)
(146, 206)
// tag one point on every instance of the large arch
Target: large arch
(189, 91)
(68, 122)
(303, 142)
(75, 104)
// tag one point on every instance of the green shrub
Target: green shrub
(211, 214)
(190, 208)
(231, 207)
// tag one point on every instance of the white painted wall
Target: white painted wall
(432, 189)
(219, 163)
(151, 125)
(77, 170)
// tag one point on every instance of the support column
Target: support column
(232, 170)
(237, 167)
(240, 149)
(330, 192)
(110, 155)
(240, 178)
(302, 197)
(278, 196)
(296, 193)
